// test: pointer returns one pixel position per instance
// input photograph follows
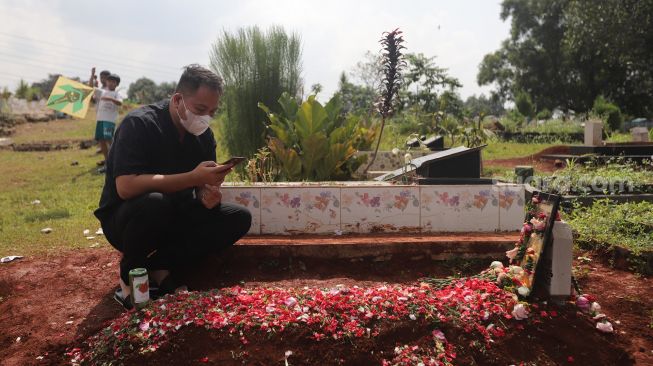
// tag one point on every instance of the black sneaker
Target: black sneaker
(125, 301)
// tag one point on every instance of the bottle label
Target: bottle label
(140, 289)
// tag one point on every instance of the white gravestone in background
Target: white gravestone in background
(593, 133)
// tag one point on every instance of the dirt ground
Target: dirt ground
(50, 303)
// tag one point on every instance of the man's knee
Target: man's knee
(154, 202)
(237, 218)
(244, 220)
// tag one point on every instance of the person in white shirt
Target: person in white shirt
(94, 84)
(109, 102)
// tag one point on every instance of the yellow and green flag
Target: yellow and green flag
(70, 97)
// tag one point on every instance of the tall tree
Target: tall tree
(565, 53)
(425, 84)
(257, 67)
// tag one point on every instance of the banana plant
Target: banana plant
(310, 141)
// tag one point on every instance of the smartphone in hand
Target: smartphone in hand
(234, 160)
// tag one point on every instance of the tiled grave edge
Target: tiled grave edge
(357, 208)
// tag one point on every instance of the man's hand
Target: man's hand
(208, 172)
(210, 196)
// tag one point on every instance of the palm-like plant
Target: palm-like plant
(392, 63)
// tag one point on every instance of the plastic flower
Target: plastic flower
(516, 270)
(408, 158)
(537, 224)
(523, 291)
(583, 303)
(605, 327)
(511, 254)
(496, 264)
(595, 308)
(290, 302)
(395, 151)
(520, 312)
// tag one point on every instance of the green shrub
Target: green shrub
(524, 104)
(606, 225)
(544, 114)
(257, 67)
(609, 112)
(315, 142)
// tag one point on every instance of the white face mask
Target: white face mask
(193, 123)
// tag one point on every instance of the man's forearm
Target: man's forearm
(130, 186)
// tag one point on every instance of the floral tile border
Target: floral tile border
(289, 209)
(248, 197)
(381, 209)
(459, 208)
(511, 206)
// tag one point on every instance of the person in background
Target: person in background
(108, 106)
(103, 83)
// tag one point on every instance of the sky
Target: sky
(156, 39)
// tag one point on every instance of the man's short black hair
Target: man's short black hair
(114, 77)
(105, 73)
(195, 76)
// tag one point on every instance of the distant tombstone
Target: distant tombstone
(435, 143)
(640, 134)
(593, 133)
(524, 173)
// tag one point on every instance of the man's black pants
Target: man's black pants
(157, 231)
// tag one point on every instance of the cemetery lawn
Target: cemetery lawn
(59, 295)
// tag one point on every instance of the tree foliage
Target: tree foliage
(565, 53)
(145, 91)
(257, 66)
(429, 86)
(482, 105)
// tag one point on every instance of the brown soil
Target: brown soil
(544, 344)
(534, 160)
(39, 296)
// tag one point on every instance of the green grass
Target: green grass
(605, 225)
(68, 195)
(509, 150)
(615, 177)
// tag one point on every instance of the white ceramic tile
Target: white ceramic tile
(511, 206)
(299, 210)
(248, 197)
(459, 208)
(380, 209)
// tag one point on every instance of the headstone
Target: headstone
(414, 142)
(524, 173)
(593, 133)
(640, 134)
(458, 162)
(561, 255)
(435, 143)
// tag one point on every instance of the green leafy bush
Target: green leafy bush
(606, 225)
(544, 114)
(315, 142)
(597, 178)
(610, 112)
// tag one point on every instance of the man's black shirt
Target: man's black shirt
(147, 142)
